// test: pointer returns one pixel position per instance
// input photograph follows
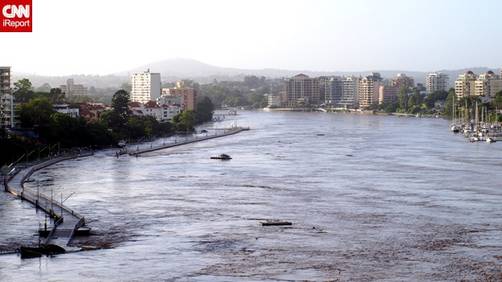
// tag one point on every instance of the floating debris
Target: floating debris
(276, 223)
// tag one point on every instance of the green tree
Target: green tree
(402, 98)
(35, 113)
(117, 119)
(23, 90)
(205, 109)
(448, 106)
(184, 121)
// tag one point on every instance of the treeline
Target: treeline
(248, 93)
(440, 102)
(42, 125)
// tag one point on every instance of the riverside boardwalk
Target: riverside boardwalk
(66, 221)
(226, 132)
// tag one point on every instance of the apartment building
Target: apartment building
(145, 87)
(7, 102)
(187, 95)
(488, 84)
(301, 90)
(388, 93)
(72, 89)
(436, 81)
(350, 91)
(403, 81)
(368, 90)
(465, 85)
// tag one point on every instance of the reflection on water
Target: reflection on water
(370, 197)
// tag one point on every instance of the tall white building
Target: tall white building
(436, 81)
(146, 86)
(350, 89)
(7, 103)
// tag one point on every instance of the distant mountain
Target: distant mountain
(176, 69)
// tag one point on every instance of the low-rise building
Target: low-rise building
(92, 111)
(187, 95)
(274, 101)
(162, 113)
(67, 110)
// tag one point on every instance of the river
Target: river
(370, 198)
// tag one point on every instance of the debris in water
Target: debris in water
(276, 223)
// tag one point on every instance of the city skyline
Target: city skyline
(335, 35)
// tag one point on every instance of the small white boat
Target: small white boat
(490, 140)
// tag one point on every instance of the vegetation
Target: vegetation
(43, 126)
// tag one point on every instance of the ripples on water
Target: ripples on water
(370, 197)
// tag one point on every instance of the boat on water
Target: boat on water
(222, 157)
(490, 140)
(455, 128)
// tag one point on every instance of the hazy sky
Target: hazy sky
(98, 36)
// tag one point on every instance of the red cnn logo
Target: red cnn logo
(15, 16)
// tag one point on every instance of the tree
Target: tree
(117, 119)
(205, 110)
(36, 112)
(402, 99)
(184, 121)
(448, 106)
(23, 90)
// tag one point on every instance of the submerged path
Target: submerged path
(226, 132)
(66, 221)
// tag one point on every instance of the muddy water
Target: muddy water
(369, 197)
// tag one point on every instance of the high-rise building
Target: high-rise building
(7, 102)
(388, 93)
(436, 81)
(302, 90)
(368, 90)
(72, 89)
(187, 95)
(350, 91)
(488, 84)
(324, 89)
(403, 81)
(145, 87)
(334, 91)
(465, 85)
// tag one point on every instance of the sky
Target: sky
(102, 37)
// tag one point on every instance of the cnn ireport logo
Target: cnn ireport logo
(15, 15)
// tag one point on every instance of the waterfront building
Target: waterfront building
(350, 89)
(436, 81)
(403, 81)
(145, 86)
(302, 90)
(487, 85)
(388, 93)
(368, 90)
(335, 91)
(8, 118)
(72, 89)
(274, 101)
(324, 89)
(187, 95)
(465, 85)
(162, 113)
